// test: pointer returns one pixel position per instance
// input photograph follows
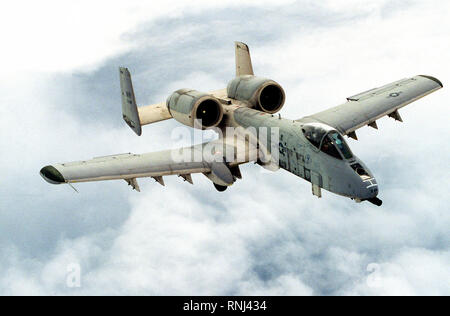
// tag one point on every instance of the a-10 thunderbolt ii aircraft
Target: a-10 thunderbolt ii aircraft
(312, 147)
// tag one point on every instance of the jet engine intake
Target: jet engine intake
(194, 108)
(263, 94)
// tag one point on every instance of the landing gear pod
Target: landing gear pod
(220, 188)
(220, 174)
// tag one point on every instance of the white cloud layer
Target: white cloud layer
(52, 35)
(266, 235)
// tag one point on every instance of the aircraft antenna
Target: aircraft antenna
(73, 187)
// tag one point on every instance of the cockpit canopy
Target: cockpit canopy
(327, 140)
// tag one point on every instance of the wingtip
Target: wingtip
(434, 79)
(52, 175)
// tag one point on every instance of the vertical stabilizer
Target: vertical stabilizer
(129, 107)
(243, 60)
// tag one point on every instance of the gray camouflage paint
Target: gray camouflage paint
(298, 156)
(296, 153)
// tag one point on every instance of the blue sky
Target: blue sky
(265, 235)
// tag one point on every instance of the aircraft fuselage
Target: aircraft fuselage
(344, 176)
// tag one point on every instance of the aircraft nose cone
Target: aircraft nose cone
(51, 175)
(369, 192)
(369, 188)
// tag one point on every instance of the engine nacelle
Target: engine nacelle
(263, 94)
(187, 106)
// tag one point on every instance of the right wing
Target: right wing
(182, 162)
(367, 107)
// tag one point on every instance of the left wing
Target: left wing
(200, 158)
(365, 108)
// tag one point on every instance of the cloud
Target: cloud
(266, 235)
(58, 36)
(408, 273)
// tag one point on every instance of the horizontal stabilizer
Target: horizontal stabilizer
(153, 113)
